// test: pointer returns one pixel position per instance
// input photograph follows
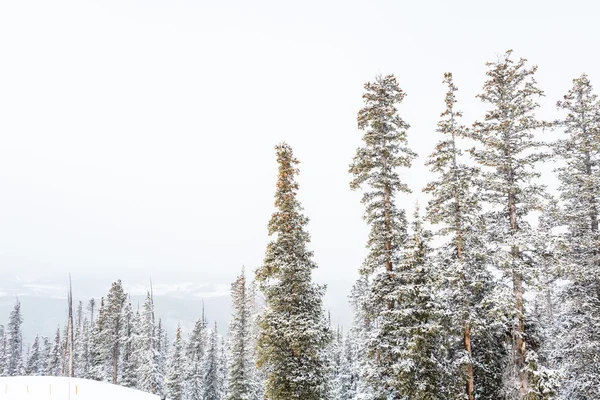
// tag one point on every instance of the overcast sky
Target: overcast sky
(137, 136)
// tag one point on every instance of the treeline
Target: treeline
(470, 298)
(111, 342)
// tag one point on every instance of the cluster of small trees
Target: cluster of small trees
(113, 343)
(474, 299)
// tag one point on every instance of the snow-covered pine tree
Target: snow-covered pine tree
(2, 351)
(455, 204)
(147, 354)
(77, 339)
(99, 351)
(162, 353)
(410, 330)
(578, 350)
(54, 360)
(14, 343)
(334, 355)
(34, 361)
(223, 368)
(256, 308)
(210, 383)
(45, 356)
(195, 351)
(375, 168)
(508, 154)
(82, 350)
(240, 379)
(129, 365)
(294, 332)
(345, 386)
(113, 329)
(176, 368)
(360, 332)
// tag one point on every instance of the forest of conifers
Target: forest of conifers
(491, 291)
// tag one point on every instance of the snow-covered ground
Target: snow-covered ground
(51, 387)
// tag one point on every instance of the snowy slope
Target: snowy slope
(52, 387)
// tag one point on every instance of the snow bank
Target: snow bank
(52, 387)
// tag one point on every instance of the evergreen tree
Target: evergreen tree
(82, 350)
(294, 332)
(578, 349)
(195, 351)
(45, 355)
(509, 154)
(147, 352)
(77, 339)
(129, 365)
(162, 351)
(113, 329)
(34, 361)
(375, 168)
(461, 261)
(240, 380)
(14, 343)
(54, 360)
(99, 347)
(346, 377)
(2, 351)
(411, 327)
(223, 369)
(211, 384)
(176, 368)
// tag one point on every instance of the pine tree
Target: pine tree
(509, 154)
(162, 350)
(240, 380)
(77, 340)
(579, 316)
(455, 204)
(99, 347)
(411, 327)
(347, 379)
(211, 384)
(82, 350)
(223, 369)
(14, 343)
(293, 332)
(176, 368)
(113, 329)
(195, 351)
(54, 360)
(2, 351)
(147, 353)
(374, 168)
(45, 355)
(129, 365)
(35, 361)
(258, 377)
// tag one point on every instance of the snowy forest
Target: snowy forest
(490, 290)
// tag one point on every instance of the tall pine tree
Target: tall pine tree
(578, 349)
(375, 169)
(455, 205)
(508, 153)
(241, 379)
(294, 333)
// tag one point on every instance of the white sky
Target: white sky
(137, 136)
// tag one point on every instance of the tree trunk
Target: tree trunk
(519, 348)
(470, 386)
